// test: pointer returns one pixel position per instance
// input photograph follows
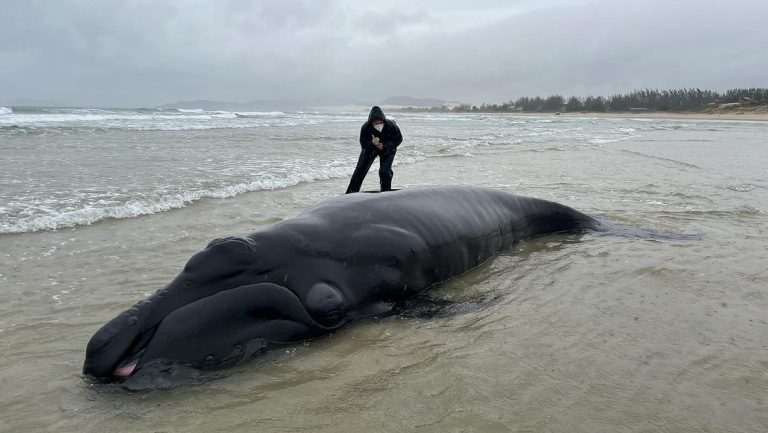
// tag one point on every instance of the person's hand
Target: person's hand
(377, 142)
(379, 146)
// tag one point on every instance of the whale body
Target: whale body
(348, 257)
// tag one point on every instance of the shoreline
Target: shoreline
(754, 116)
(748, 116)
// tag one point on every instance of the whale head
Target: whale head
(217, 311)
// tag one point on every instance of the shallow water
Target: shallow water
(597, 332)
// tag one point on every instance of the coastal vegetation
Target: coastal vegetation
(651, 100)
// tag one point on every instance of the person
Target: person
(380, 137)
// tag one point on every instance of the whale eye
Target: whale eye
(209, 358)
(239, 347)
(325, 303)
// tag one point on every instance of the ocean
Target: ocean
(595, 332)
(64, 167)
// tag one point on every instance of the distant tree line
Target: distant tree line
(674, 100)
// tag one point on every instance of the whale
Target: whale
(346, 258)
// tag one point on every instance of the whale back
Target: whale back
(415, 238)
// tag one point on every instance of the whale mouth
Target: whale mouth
(129, 362)
(127, 366)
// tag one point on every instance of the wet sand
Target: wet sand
(724, 115)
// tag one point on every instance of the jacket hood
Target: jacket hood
(376, 113)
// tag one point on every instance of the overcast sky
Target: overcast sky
(149, 52)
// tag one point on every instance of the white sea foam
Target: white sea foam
(606, 140)
(94, 213)
(89, 120)
(5, 110)
(263, 113)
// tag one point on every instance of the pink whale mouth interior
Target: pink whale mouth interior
(125, 370)
(128, 366)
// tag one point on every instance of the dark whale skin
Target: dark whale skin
(347, 257)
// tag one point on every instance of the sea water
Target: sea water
(596, 332)
(63, 167)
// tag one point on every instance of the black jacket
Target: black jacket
(390, 135)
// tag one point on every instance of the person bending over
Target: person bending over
(380, 137)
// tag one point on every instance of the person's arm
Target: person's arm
(365, 138)
(395, 137)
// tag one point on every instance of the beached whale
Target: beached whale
(345, 258)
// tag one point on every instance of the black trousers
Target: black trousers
(364, 163)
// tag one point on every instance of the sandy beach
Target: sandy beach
(760, 115)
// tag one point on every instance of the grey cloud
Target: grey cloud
(147, 52)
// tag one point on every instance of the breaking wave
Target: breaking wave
(149, 119)
(96, 211)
